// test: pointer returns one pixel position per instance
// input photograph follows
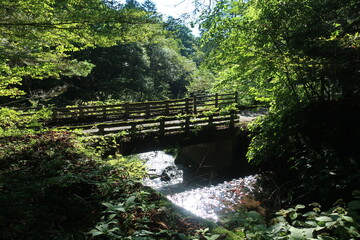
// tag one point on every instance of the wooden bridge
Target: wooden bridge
(161, 117)
(139, 110)
(146, 126)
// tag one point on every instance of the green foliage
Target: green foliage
(52, 185)
(332, 224)
(183, 34)
(280, 51)
(300, 57)
(37, 37)
(145, 215)
(127, 72)
(45, 185)
(299, 222)
(111, 51)
(312, 149)
(134, 165)
(12, 121)
(201, 83)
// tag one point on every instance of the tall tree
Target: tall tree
(303, 57)
(128, 72)
(280, 50)
(183, 34)
(36, 37)
(132, 4)
(149, 6)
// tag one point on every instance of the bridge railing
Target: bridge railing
(125, 111)
(141, 110)
(166, 125)
(205, 102)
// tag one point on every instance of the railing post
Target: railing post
(73, 114)
(126, 115)
(216, 100)
(147, 110)
(55, 114)
(167, 112)
(211, 118)
(232, 116)
(187, 110)
(236, 97)
(81, 113)
(187, 124)
(195, 103)
(104, 112)
(162, 127)
(133, 128)
(101, 130)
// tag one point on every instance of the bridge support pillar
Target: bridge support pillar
(206, 161)
(226, 157)
(202, 157)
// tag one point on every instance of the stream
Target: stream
(209, 200)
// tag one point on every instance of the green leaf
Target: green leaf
(348, 219)
(182, 236)
(311, 223)
(308, 232)
(330, 224)
(255, 216)
(296, 233)
(108, 205)
(321, 237)
(130, 201)
(119, 209)
(213, 237)
(277, 228)
(323, 219)
(293, 215)
(281, 219)
(300, 206)
(95, 232)
(143, 233)
(114, 229)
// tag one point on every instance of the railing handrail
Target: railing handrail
(163, 125)
(131, 110)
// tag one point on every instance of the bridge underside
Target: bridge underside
(153, 142)
(223, 150)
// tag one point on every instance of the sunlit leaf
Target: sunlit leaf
(323, 219)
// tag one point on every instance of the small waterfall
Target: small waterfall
(208, 202)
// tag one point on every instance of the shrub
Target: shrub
(313, 150)
(52, 185)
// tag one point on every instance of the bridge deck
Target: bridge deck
(163, 125)
(138, 110)
(156, 117)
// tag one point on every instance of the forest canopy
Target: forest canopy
(38, 37)
(302, 57)
(297, 59)
(276, 51)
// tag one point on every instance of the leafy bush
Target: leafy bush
(139, 213)
(52, 185)
(45, 185)
(313, 150)
(298, 223)
(12, 121)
